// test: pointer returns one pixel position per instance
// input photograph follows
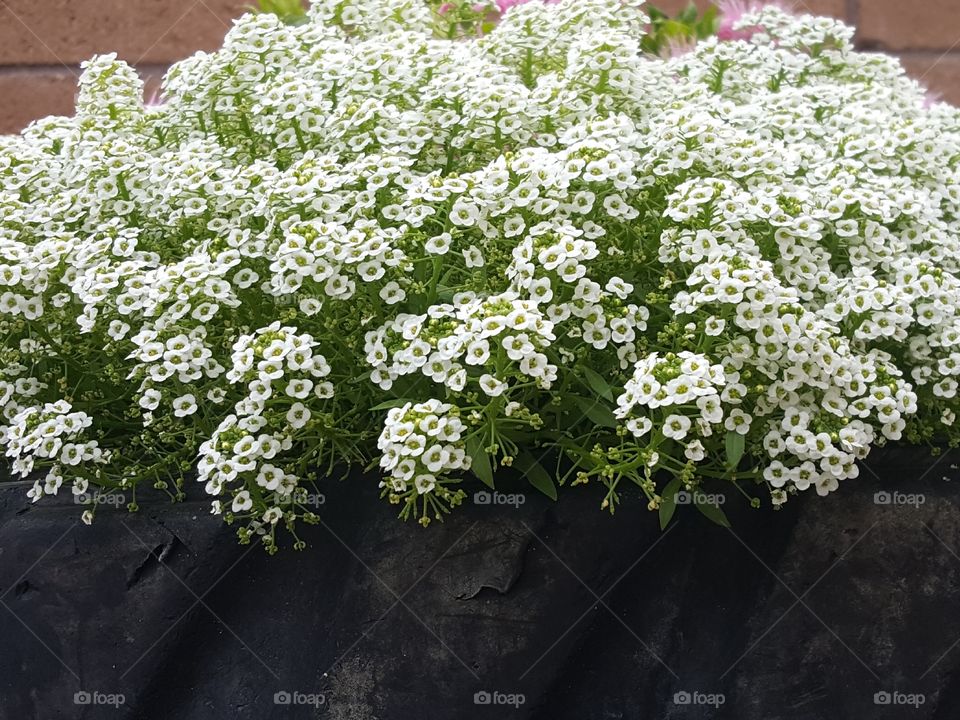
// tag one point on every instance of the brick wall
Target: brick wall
(42, 42)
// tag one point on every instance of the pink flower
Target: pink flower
(931, 98)
(733, 11)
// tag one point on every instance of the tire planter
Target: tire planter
(535, 610)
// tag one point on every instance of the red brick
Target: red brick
(895, 25)
(31, 93)
(140, 31)
(939, 73)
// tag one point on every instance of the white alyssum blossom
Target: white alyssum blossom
(353, 241)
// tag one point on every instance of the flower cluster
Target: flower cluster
(50, 435)
(420, 444)
(281, 376)
(500, 333)
(355, 240)
(681, 379)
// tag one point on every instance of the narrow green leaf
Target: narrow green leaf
(708, 23)
(600, 386)
(688, 15)
(580, 455)
(535, 474)
(735, 443)
(390, 404)
(712, 512)
(673, 29)
(668, 502)
(480, 460)
(597, 412)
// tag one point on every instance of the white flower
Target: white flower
(242, 501)
(695, 451)
(491, 386)
(272, 515)
(150, 399)
(299, 388)
(424, 483)
(184, 405)
(439, 244)
(392, 293)
(298, 415)
(639, 426)
(473, 257)
(676, 426)
(269, 476)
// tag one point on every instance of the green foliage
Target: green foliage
(683, 29)
(291, 12)
(533, 246)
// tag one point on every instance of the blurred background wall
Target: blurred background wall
(43, 42)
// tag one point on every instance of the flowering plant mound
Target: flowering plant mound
(353, 241)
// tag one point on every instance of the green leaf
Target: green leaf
(390, 404)
(582, 455)
(673, 29)
(444, 294)
(535, 474)
(668, 501)
(287, 10)
(600, 386)
(712, 512)
(735, 445)
(480, 464)
(597, 412)
(688, 15)
(708, 23)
